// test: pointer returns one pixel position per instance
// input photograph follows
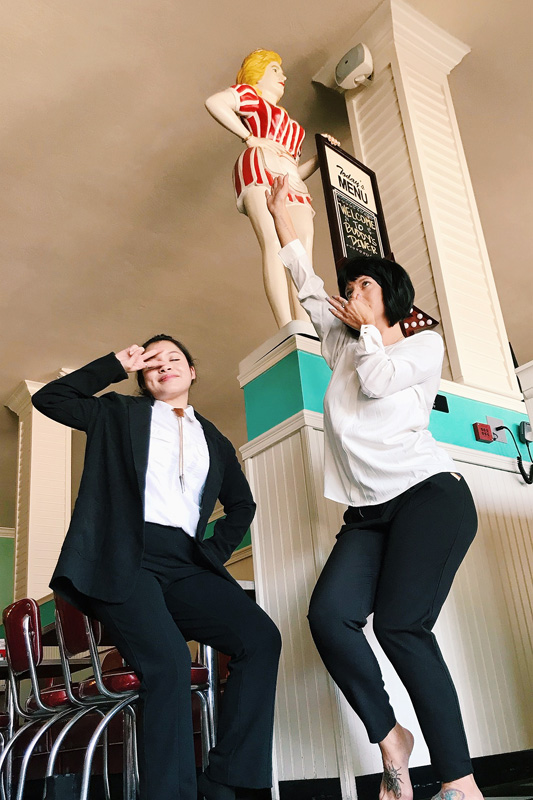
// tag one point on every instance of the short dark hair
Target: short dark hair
(162, 337)
(396, 285)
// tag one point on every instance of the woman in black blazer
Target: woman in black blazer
(135, 557)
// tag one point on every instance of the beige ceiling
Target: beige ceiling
(118, 217)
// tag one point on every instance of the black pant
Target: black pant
(174, 601)
(398, 560)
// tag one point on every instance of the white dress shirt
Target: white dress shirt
(164, 501)
(377, 404)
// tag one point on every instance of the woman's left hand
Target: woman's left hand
(353, 312)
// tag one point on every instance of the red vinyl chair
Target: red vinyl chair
(116, 689)
(44, 707)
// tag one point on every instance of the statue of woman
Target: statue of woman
(273, 142)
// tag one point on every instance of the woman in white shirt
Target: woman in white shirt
(410, 516)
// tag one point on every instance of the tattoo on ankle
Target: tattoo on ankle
(392, 780)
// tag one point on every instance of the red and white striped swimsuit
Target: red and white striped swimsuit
(257, 166)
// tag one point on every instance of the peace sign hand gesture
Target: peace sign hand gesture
(134, 358)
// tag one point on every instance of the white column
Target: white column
(525, 376)
(404, 128)
(43, 493)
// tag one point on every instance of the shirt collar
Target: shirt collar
(189, 410)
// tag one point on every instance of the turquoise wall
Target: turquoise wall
(245, 542)
(300, 380)
(7, 552)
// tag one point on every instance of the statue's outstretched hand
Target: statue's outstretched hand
(276, 198)
(331, 139)
(134, 358)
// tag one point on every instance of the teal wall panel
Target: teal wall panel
(245, 542)
(456, 427)
(296, 382)
(7, 550)
(300, 380)
(273, 396)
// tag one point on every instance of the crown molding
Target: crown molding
(21, 397)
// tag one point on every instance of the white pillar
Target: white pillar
(404, 128)
(43, 493)
(525, 376)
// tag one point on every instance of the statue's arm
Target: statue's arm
(223, 107)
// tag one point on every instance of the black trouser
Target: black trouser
(398, 559)
(175, 601)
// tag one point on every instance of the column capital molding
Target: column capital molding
(415, 34)
(20, 400)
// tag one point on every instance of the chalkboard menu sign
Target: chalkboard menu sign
(355, 217)
(354, 209)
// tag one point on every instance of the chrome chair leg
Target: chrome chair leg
(5, 755)
(29, 750)
(60, 738)
(2, 790)
(129, 785)
(105, 766)
(205, 732)
(89, 756)
(209, 657)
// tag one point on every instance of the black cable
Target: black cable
(526, 477)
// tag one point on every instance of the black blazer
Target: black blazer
(102, 551)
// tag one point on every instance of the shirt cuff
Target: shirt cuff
(370, 340)
(292, 251)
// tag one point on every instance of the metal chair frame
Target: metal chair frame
(121, 701)
(50, 714)
(99, 703)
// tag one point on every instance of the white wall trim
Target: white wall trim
(303, 338)
(313, 419)
(483, 396)
(281, 431)
(481, 459)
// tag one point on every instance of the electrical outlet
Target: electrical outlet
(482, 432)
(498, 436)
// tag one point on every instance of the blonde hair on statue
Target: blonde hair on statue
(254, 65)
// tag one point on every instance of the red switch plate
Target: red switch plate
(482, 432)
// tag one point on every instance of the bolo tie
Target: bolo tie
(180, 413)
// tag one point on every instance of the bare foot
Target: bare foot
(461, 789)
(396, 748)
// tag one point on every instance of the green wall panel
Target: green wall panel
(245, 542)
(7, 549)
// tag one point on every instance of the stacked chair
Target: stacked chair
(44, 707)
(108, 692)
(114, 689)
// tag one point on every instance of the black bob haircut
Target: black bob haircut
(398, 290)
(162, 337)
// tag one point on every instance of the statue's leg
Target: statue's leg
(274, 278)
(302, 219)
